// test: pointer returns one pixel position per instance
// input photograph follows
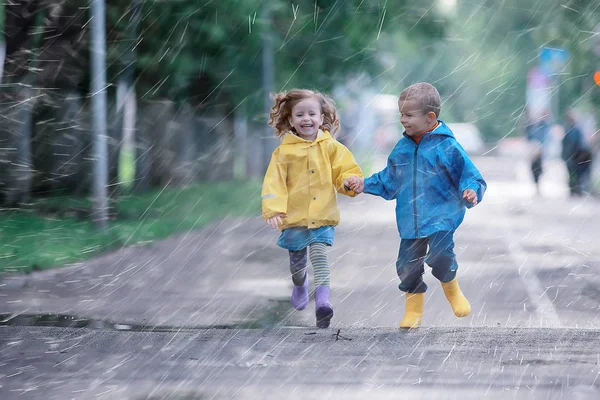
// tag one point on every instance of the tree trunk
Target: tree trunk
(17, 138)
(2, 39)
(19, 119)
(240, 137)
(269, 142)
(2, 57)
(126, 114)
(127, 102)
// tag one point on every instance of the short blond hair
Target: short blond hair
(425, 94)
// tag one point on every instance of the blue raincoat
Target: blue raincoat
(427, 180)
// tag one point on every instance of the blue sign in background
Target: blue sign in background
(553, 60)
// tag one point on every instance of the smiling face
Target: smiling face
(306, 118)
(413, 118)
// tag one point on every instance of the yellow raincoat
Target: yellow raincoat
(302, 180)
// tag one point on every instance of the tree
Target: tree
(316, 44)
(481, 69)
(2, 40)
(126, 96)
(18, 78)
(211, 54)
(207, 54)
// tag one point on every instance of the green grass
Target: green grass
(49, 233)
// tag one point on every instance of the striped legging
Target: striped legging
(318, 258)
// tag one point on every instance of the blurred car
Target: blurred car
(468, 136)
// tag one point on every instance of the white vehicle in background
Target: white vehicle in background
(468, 136)
(371, 120)
(389, 130)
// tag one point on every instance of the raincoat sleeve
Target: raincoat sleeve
(343, 166)
(386, 182)
(274, 194)
(467, 174)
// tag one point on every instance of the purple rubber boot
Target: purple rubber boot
(323, 309)
(300, 295)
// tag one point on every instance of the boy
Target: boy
(433, 181)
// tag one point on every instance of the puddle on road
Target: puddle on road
(270, 317)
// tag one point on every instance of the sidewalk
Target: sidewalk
(529, 265)
(520, 257)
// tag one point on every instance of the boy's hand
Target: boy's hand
(276, 220)
(470, 196)
(356, 184)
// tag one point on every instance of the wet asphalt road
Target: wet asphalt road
(528, 264)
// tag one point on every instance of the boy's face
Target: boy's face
(306, 118)
(412, 117)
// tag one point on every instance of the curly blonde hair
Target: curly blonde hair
(279, 118)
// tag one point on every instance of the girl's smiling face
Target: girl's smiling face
(306, 118)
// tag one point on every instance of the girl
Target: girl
(299, 189)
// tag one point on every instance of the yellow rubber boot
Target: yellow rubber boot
(414, 310)
(458, 301)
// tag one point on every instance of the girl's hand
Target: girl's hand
(276, 220)
(355, 183)
(470, 196)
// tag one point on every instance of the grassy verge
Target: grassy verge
(56, 231)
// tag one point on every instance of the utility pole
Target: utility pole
(98, 92)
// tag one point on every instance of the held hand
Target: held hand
(348, 183)
(276, 220)
(360, 186)
(355, 183)
(470, 196)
